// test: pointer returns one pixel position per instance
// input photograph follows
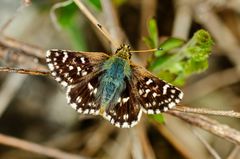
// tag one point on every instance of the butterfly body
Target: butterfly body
(111, 86)
(112, 80)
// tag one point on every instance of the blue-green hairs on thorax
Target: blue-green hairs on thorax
(117, 69)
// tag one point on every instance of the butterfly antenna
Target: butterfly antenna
(148, 50)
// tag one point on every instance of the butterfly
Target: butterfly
(111, 85)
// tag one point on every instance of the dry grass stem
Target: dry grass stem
(36, 148)
(207, 145)
(209, 125)
(206, 111)
(95, 22)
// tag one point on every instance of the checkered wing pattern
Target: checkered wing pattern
(155, 95)
(79, 74)
(126, 112)
(68, 67)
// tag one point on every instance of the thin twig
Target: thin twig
(146, 145)
(235, 153)
(209, 125)
(112, 21)
(23, 71)
(95, 22)
(176, 141)
(25, 47)
(206, 144)
(228, 113)
(98, 137)
(9, 21)
(136, 146)
(36, 148)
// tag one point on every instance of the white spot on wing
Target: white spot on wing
(71, 67)
(154, 94)
(79, 99)
(48, 53)
(95, 91)
(51, 67)
(149, 81)
(58, 79)
(165, 87)
(172, 104)
(84, 73)
(78, 70)
(180, 95)
(125, 125)
(54, 73)
(125, 99)
(64, 83)
(74, 105)
(48, 59)
(165, 109)
(90, 87)
(82, 59)
(150, 111)
(65, 57)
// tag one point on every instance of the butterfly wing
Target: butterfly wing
(68, 67)
(79, 72)
(127, 111)
(155, 95)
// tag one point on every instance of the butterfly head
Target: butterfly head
(124, 52)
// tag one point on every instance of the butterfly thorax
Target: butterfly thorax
(124, 52)
(117, 70)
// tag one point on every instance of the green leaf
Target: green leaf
(68, 18)
(152, 39)
(96, 4)
(158, 117)
(182, 60)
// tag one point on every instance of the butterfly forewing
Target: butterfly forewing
(68, 67)
(155, 95)
(127, 111)
(79, 72)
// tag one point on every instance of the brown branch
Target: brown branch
(14, 52)
(36, 148)
(23, 71)
(28, 49)
(111, 21)
(210, 125)
(228, 113)
(235, 153)
(95, 22)
(10, 20)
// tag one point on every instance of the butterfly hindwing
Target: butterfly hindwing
(68, 67)
(126, 112)
(83, 96)
(155, 95)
